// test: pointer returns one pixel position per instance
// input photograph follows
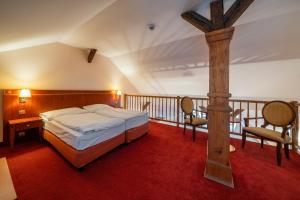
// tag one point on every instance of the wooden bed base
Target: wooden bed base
(137, 132)
(80, 158)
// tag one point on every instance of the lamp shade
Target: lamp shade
(25, 93)
(119, 92)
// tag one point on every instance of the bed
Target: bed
(136, 122)
(81, 136)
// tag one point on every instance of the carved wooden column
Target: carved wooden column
(218, 164)
(218, 32)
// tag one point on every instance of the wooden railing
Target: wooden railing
(167, 109)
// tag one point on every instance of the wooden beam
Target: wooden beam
(198, 21)
(216, 14)
(91, 55)
(235, 11)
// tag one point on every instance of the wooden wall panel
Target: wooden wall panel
(46, 100)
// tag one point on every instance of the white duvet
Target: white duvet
(87, 122)
(120, 113)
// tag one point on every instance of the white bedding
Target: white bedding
(132, 118)
(87, 123)
(81, 141)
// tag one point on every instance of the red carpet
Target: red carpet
(162, 165)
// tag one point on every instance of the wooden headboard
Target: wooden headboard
(45, 100)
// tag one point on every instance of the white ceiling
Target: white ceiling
(27, 23)
(114, 27)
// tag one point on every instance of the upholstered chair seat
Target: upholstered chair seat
(267, 133)
(196, 121)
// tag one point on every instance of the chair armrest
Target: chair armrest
(247, 119)
(201, 111)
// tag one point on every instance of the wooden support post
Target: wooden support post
(218, 33)
(218, 165)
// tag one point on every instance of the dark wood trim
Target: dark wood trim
(217, 10)
(219, 20)
(91, 55)
(235, 11)
(198, 21)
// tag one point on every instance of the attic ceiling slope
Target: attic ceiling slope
(114, 27)
(122, 27)
(34, 22)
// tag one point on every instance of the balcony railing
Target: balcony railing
(167, 109)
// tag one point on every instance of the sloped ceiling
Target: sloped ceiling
(267, 31)
(114, 27)
(34, 22)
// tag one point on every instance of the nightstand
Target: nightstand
(23, 125)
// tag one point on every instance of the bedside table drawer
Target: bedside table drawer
(28, 125)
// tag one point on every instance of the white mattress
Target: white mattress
(81, 141)
(130, 120)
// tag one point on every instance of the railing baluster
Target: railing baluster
(152, 105)
(177, 111)
(174, 108)
(232, 124)
(156, 107)
(240, 118)
(196, 108)
(248, 109)
(170, 109)
(256, 114)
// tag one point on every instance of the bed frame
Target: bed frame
(137, 132)
(46, 100)
(80, 158)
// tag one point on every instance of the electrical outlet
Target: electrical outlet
(22, 112)
(21, 134)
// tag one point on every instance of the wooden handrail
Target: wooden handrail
(167, 108)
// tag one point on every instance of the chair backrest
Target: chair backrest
(278, 113)
(187, 105)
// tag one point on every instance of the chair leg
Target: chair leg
(243, 138)
(262, 142)
(278, 153)
(184, 127)
(194, 133)
(286, 151)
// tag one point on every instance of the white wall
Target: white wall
(270, 79)
(58, 66)
(274, 79)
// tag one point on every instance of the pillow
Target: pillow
(66, 111)
(95, 107)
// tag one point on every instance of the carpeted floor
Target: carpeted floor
(162, 165)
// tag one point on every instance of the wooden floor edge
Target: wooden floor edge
(7, 190)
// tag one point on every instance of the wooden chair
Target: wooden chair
(277, 114)
(187, 107)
